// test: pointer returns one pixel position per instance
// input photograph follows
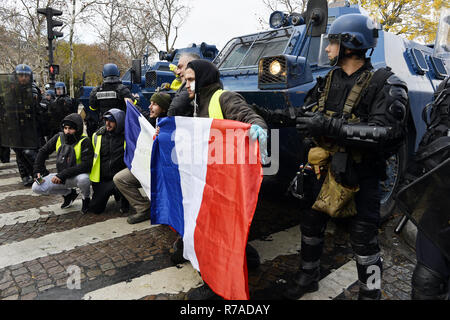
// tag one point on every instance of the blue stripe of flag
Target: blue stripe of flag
(132, 132)
(167, 198)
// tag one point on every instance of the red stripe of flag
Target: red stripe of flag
(229, 202)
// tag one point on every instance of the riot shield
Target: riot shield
(426, 202)
(18, 120)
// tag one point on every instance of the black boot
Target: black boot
(365, 294)
(27, 181)
(177, 255)
(139, 217)
(201, 293)
(303, 282)
(85, 206)
(69, 199)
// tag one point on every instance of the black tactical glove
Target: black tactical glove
(317, 124)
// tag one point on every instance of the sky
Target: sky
(213, 21)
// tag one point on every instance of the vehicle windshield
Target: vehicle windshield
(442, 45)
(246, 51)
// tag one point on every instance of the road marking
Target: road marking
(335, 283)
(15, 193)
(11, 218)
(286, 242)
(16, 170)
(171, 280)
(31, 249)
(33, 214)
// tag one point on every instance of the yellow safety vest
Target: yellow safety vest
(77, 148)
(97, 144)
(215, 110)
(176, 84)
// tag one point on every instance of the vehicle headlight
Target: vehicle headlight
(275, 67)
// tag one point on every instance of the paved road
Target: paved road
(45, 250)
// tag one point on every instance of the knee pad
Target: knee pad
(428, 284)
(363, 237)
(313, 223)
(30, 154)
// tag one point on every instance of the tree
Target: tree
(79, 11)
(139, 30)
(110, 14)
(169, 16)
(416, 19)
(24, 33)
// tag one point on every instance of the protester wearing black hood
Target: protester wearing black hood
(73, 163)
(108, 143)
(210, 101)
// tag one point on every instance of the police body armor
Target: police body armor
(424, 198)
(109, 96)
(336, 197)
(57, 111)
(18, 114)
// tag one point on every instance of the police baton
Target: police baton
(401, 225)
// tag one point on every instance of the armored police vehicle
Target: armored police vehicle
(145, 79)
(276, 68)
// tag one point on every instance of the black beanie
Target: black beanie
(162, 99)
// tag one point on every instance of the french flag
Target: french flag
(206, 176)
(139, 135)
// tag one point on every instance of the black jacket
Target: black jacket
(112, 149)
(87, 153)
(234, 106)
(181, 104)
(108, 89)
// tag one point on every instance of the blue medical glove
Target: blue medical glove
(256, 132)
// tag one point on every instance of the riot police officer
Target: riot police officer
(62, 106)
(109, 95)
(355, 118)
(24, 156)
(431, 276)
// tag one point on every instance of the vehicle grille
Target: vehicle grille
(151, 79)
(265, 77)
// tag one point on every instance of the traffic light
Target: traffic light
(53, 69)
(50, 13)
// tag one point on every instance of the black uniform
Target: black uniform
(109, 95)
(60, 108)
(430, 280)
(25, 157)
(383, 104)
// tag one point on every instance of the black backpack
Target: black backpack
(65, 156)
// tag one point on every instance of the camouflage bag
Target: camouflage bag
(334, 199)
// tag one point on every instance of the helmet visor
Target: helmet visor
(329, 58)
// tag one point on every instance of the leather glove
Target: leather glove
(256, 132)
(313, 124)
(316, 124)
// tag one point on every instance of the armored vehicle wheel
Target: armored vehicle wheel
(396, 166)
